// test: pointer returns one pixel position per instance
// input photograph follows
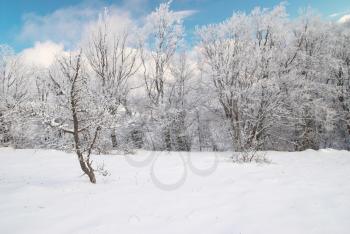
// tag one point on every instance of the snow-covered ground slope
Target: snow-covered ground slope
(44, 192)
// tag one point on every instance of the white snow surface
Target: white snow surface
(43, 191)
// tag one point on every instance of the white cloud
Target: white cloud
(70, 27)
(337, 14)
(70, 24)
(42, 54)
(344, 19)
(185, 13)
(63, 25)
(334, 15)
(136, 6)
(117, 21)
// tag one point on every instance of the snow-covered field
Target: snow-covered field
(44, 192)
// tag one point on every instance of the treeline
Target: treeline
(257, 81)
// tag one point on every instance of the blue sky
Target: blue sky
(17, 15)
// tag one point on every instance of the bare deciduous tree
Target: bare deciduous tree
(75, 111)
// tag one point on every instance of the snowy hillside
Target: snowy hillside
(44, 192)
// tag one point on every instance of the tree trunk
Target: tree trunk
(114, 139)
(199, 132)
(86, 168)
(85, 164)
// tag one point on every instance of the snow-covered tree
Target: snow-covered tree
(256, 81)
(77, 109)
(240, 56)
(164, 30)
(13, 92)
(164, 33)
(113, 61)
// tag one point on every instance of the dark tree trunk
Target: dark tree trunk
(85, 163)
(114, 139)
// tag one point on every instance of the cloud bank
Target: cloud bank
(345, 19)
(42, 54)
(70, 27)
